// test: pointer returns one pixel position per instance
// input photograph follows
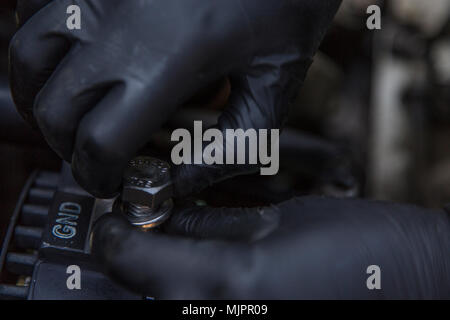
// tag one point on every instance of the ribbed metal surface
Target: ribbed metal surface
(34, 215)
(20, 263)
(25, 233)
(10, 292)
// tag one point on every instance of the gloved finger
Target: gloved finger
(67, 97)
(239, 224)
(27, 8)
(260, 100)
(106, 141)
(35, 52)
(122, 123)
(167, 267)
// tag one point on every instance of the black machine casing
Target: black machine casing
(48, 233)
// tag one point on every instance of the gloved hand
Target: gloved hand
(97, 94)
(310, 247)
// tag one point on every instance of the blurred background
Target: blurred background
(372, 119)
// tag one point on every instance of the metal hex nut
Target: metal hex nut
(151, 197)
(147, 182)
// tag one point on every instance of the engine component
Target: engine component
(48, 235)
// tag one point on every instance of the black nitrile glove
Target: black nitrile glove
(99, 93)
(311, 247)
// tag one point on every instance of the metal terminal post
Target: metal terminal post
(146, 198)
